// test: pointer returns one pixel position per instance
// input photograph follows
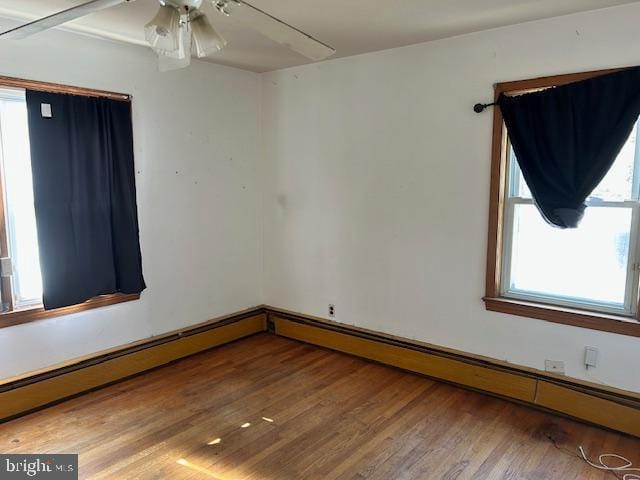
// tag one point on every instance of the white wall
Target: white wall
(197, 151)
(378, 184)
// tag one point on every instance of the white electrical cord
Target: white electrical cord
(627, 467)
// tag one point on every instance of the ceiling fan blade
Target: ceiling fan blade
(275, 29)
(59, 18)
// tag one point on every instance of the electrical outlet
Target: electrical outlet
(555, 366)
(332, 311)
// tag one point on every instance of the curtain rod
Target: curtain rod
(59, 88)
(520, 87)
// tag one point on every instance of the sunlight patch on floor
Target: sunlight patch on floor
(197, 468)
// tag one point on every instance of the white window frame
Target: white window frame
(511, 200)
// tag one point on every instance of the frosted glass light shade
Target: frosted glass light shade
(181, 57)
(205, 38)
(163, 31)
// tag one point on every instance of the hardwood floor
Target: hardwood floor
(268, 408)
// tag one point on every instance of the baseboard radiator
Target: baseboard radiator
(30, 393)
(607, 407)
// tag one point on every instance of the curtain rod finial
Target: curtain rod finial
(480, 107)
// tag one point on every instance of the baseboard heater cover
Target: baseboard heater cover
(37, 391)
(610, 408)
(603, 406)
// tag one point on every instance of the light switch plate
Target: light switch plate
(45, 109)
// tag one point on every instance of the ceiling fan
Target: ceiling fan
(181, 29)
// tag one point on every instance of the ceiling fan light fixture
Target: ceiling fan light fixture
(206, 39)
(181, 57)
(169, 33)
(163, 32)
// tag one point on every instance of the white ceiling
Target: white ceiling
(350, 26)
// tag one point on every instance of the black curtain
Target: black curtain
(85, 197)
(566, 138)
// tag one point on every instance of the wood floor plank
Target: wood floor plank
(284, 410)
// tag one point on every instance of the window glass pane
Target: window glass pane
(518, 185)
(617, 185)
(23, 241)
(587, 264)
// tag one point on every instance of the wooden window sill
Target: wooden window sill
(31, 314)
(568, 316)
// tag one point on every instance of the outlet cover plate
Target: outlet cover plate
(555, 366)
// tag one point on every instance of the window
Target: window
(536, 270)
(548, 264)
(25, 285)
(21, 284)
